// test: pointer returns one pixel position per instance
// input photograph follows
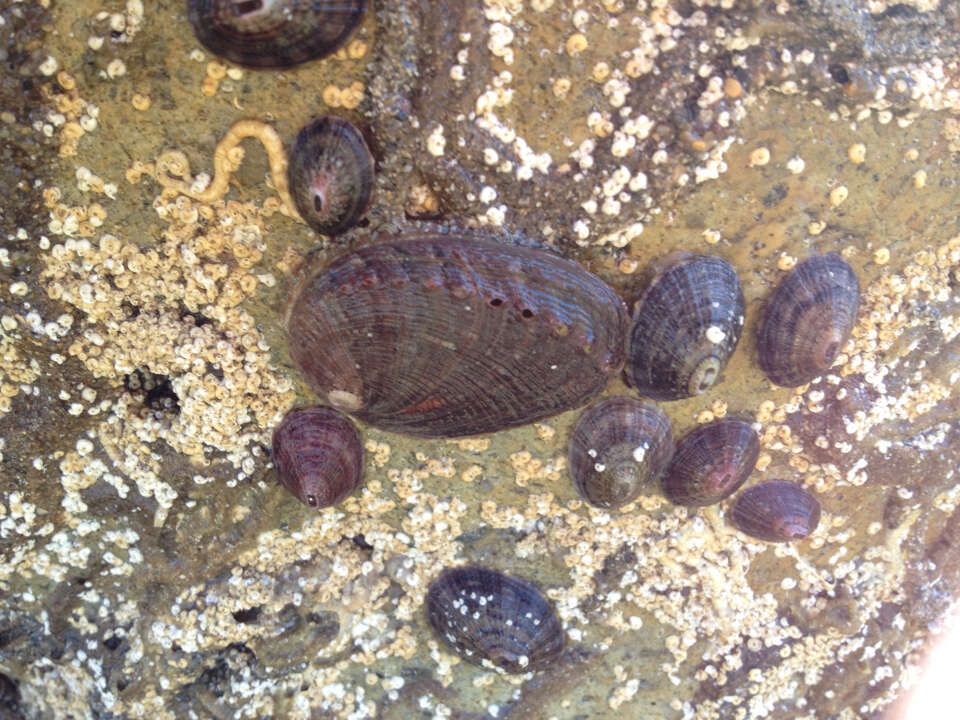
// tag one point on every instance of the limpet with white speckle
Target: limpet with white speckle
(619, 448)
(686, 325)
(490, 618)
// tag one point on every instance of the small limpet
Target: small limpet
(274, 33)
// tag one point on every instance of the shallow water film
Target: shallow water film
(152, 566)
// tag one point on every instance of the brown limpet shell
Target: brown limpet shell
(331, 175)
(452, 335)
(776, 511)
(274, 33)
(619, 448)
(490, 618)
(808, 319)
(686, 325)
(319, 456)
(711, 463)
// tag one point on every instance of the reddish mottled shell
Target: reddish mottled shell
(489, 618)
(330, 175)
(686, 325)
(808, 319)
(274, 33)
(776, 511)
(711, 463)
(620, 446)
(445, 336)
(319, 456)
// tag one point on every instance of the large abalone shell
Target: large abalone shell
(444, 336)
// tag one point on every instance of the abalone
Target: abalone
(451, 335)
(711, 463)
(776, 511)
(330, 174)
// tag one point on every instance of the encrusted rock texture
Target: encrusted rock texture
(152, 567)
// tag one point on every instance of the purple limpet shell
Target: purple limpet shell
(319, 456)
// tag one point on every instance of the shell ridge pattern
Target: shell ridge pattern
(316, 334)
(448, 275)
(776, 511)
(711, 462)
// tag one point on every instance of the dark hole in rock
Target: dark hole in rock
(247, 616)
(776, 195)
(162, 397)
(9, 694)
(900, 11)
(496, 302)
(158, 393)
(839, 74)
(112, 642)
(250, 6)
(527, 313)
(361, 542)
(199, 319)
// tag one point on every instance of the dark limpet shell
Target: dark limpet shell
(319, 456)
(808, 319)
(274, 33)
(450, 335)
(686, 324)
(619, 447)
(489, 618)
(331, 175)
(776, 511)
(711, 463)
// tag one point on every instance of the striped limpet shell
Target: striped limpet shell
(492, 619)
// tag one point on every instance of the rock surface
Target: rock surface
(151, 566)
